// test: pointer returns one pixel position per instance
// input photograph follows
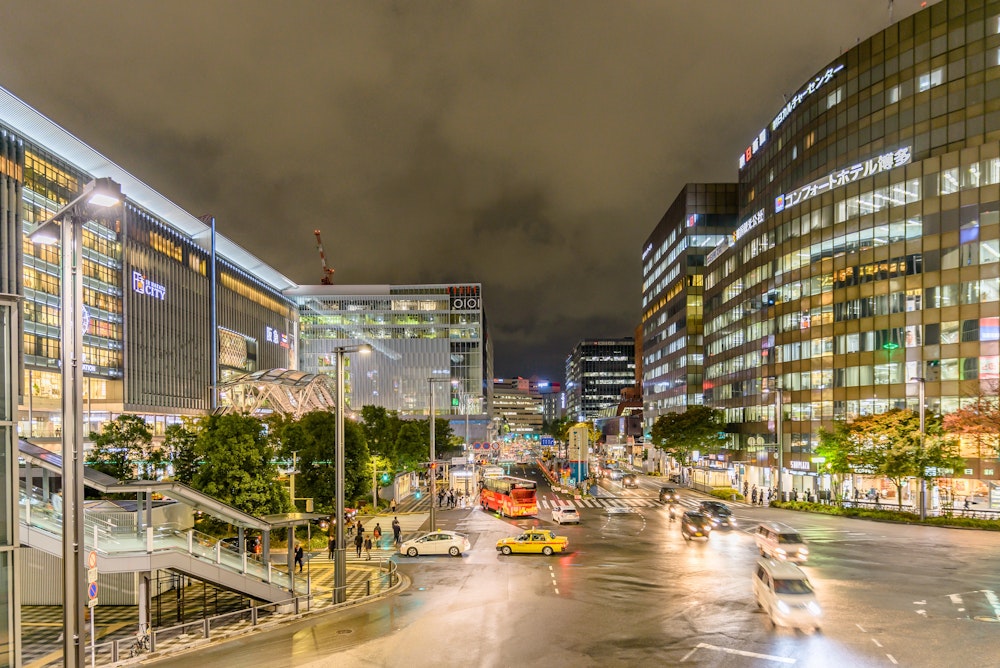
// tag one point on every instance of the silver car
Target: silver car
(565, 515)
(436, 542)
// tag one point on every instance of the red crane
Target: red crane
(327, 271)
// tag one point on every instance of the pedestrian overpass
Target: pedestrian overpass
(149, 540)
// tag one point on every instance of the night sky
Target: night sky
(528, 145)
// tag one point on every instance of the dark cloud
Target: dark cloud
(528, 145)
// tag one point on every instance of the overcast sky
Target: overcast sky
(528, 145)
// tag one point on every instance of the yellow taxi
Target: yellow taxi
(533, 541)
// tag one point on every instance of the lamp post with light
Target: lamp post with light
(70, 220)
(340, 550)
(433, 454)
(923, 479)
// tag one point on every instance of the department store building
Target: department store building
(867, 247)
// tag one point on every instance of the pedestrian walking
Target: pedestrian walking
(966, 505)
(299, 554)
(392, 505)
(360, 529)
(440, 498)
(397, 531)
(359, 542)
(368, 548)
(377, 534)
(330, 547)
(753, 496)
(746, 489)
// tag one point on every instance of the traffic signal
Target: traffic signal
(417, 494)
(385, 478)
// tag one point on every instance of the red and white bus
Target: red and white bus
(513, 497)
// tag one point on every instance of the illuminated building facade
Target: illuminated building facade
(867, 248)
(416, 332)
(596, 371)
(518, 403)
(147, 291)
(673, 264)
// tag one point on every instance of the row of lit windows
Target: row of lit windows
(254, 294)
(315, 322)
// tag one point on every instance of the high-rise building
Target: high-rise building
(517, 402)
(596, 371)
(416, 332)
(868, 247)
(673, 263)
(553, 401)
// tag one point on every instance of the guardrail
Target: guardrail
(244, 620)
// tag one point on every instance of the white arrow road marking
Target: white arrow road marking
(739, 652)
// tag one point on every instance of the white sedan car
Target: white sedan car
(436, 542)
(565, 515)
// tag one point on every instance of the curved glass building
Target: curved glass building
(867, 247)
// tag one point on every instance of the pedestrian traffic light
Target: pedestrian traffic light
(417, 494)
(385, 478)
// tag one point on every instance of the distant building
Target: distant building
(596, 371)
(416, 332)
(700, 219)
(518, 404)
(553, 401)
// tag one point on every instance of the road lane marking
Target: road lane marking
(740, 652)
(893, 659)
(856, 624)
(877, 643)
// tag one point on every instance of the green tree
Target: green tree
(238, 466)
(681, 434)
(314, 439)
(179, 442)
(381, 429)
(121, 443)
(890, 445)
(840, 453)
(412, 444)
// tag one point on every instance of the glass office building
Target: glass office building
(673, 265)
(868, 244)
(416, 332)
(147, 291)
(596, 372)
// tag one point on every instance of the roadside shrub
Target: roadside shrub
(889, 515)
(727, 494)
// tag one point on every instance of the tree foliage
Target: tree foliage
(118, 447)
(681, 434)
(313, 438)
(979, 424)
(889, 444)
(238, 466)
(381, 429)
(179, 442)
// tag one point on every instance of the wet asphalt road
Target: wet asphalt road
(632, 592)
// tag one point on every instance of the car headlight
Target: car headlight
(692, 527)
(783, 607)
(780, 551)
(814, 608)
(803, 551)
(732, 521)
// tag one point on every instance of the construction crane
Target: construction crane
(327, 271)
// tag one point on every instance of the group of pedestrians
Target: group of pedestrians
(758, 497)
(448, 499)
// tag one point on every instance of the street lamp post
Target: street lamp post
(779, 435)
(923, 480)
(340, 550)
(70, 220)
(433, 454)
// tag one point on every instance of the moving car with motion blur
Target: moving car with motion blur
(669, 495)
(565, 515)
(533, 541)
(784, 592)
(436, 542)
(630, 480)
(695, 525)
(781, 542)
(719, 513)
